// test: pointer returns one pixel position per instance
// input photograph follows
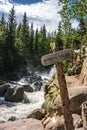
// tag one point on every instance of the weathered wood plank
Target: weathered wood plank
(55, 57)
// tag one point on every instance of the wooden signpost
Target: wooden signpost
(57, 58)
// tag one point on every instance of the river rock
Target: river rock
(25, 124)
(25, 98)
(12, 118)
(38, 85)
(77, 96)
(14, 93)
(25, 82)
(28, 88)
(37, 114)
(3, 89)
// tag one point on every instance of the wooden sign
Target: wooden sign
(55, 57)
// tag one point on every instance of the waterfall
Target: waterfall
(48, 75)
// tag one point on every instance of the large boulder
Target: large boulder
(77, 96)
(57, 122)
(14, 93)
(25, 82)
(3, 89)
(25, 124)
(28, 88)
(37, 114)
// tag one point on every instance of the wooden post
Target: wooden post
(64, 95)
(57, 58)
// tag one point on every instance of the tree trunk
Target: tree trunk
(64, 97)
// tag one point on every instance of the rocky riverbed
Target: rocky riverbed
(32, 96)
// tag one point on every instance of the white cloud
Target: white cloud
(40, 13)
(75, 24)
(5, 6)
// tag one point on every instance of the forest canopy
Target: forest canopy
(21, 45)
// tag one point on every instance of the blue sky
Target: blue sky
(39, 12)
(26, 1)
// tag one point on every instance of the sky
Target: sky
(39, 12)
(26, 1)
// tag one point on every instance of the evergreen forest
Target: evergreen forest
(22, 46)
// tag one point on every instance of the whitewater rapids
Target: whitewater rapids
(22, 110)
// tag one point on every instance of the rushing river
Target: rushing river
(22, 110)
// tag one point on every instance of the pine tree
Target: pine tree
(82, 27)
(11, 55)
(11, 28)
(31, 40)
(24, 36)
(36, 42)
(18, 43)
(2, 42)
(60, 29)
(2, 30)
(59, 42)
(36, 48)
(43, 40)
(58, 39)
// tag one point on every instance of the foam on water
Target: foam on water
(49, 75)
